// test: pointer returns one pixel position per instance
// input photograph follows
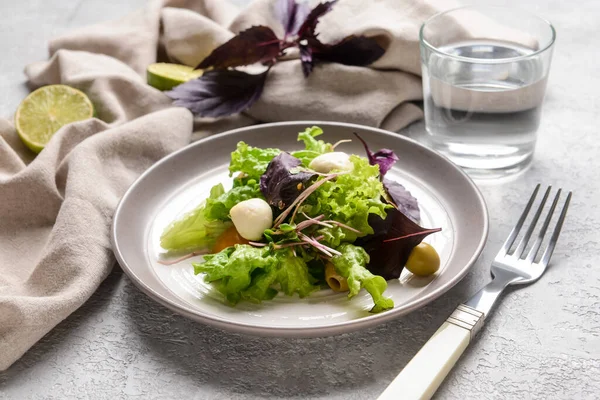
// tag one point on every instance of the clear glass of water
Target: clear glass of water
(484, 78)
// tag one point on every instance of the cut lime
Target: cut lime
(164, 76)
(48, 109)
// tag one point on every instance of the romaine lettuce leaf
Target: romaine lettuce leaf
(193, 231)
(313, 147)
(251, 161)
(349, 199)
(352, 266)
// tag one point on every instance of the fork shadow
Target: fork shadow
(264, 366)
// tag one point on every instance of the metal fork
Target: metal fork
(425, 372)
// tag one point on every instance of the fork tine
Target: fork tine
(538, 242)
(548, 253)
(523, 244)
(513, 234)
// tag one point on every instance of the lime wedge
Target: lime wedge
(164, 76)
(48, 109)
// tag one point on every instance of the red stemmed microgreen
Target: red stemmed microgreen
(257, 244)
(328, 251)
(298, 201)
(340, 142)
(422, 233)
(182, 258)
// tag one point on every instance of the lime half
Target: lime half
(48, 109)
(164, 76)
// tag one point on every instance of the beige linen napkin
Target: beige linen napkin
(55, 216)
(56, 211)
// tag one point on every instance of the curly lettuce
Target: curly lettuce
(234, 268)
(313, 147)
(351, 264)
(221, 202)
(350, 199)
(250, 273)
(250, 161)
(293, 275)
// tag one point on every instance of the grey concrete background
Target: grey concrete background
(542, 343)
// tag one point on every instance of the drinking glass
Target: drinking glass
(484, 78)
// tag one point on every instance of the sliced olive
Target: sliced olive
(336, 282)
(423, 260)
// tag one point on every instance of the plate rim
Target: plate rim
(287, 331)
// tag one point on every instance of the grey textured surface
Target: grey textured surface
(542, 343)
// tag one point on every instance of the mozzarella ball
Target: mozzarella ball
(328, 162)
(251, 217)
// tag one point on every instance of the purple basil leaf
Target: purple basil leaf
(352, 50)
(385, 158)
(281, 183)
(291, 15)
(387, 258)
(219, 93)
(407, 204)
(258, 44)
(307, 60)
(307, 29)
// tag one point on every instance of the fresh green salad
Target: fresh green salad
(299, 221)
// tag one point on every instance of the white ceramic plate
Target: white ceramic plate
(179, 182)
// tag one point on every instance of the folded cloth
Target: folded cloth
(56, 211)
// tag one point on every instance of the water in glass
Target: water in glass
(482, 110)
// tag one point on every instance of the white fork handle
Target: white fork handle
(426, 371)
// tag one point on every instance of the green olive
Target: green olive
(423, 260)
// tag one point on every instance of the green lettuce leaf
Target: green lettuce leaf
(293, 275)
(251, 161)
(261, 288)
(193, 231)
(351, 265)
(252, 273)
(220, 202)
(349, 199)
(313, 147)
(234, 268)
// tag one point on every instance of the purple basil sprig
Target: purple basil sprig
(279, 184)
(291, 15)
(258, 44)
(211, 95)
(223, 91)
(404, 201)
(392, 242)
(385, 158)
